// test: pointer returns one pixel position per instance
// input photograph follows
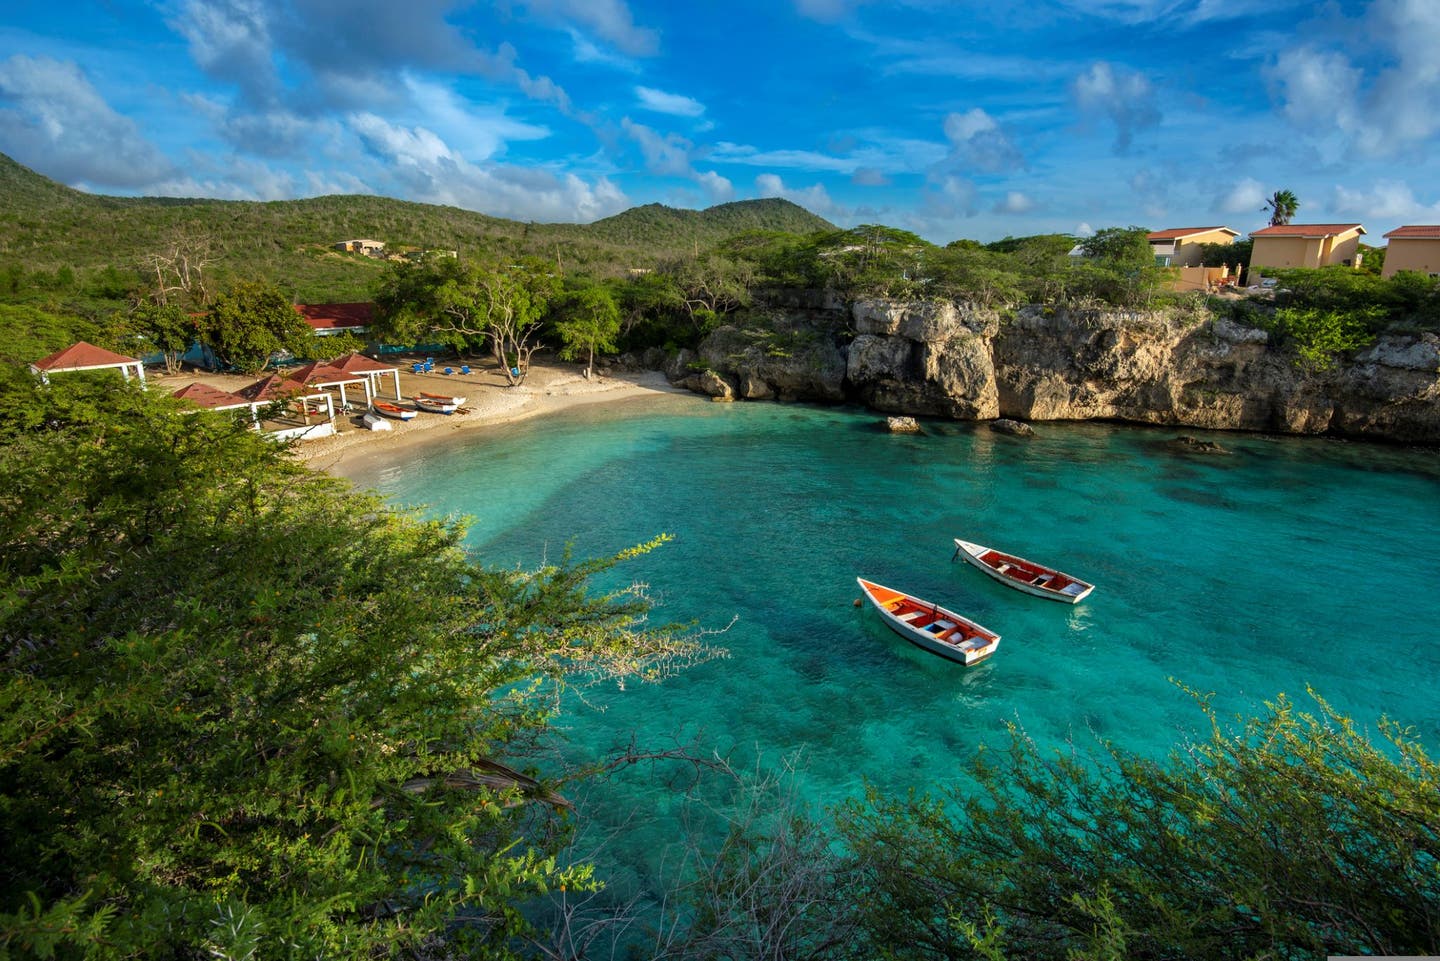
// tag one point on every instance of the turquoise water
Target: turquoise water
(1292, 562)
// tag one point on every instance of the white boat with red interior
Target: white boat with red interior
(1024, 575)
(925, 624)
(438, 403)
(392, 411)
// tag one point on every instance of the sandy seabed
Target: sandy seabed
(548, 389)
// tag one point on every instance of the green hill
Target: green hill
(46, 227)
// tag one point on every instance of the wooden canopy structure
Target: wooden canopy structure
(371, 370)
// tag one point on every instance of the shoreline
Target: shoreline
(549, 388)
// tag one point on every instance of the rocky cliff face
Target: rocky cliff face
(967, 363)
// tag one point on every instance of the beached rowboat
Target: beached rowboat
(438, 403)
(390, 410)
(938, 630)
(1024, 575)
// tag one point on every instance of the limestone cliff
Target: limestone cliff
(1174, 368)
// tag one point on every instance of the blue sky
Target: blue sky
(950, 119)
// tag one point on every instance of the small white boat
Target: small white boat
(438, 403)
(1024, 575)
(393, 412)
(374, 421)
(936, 629)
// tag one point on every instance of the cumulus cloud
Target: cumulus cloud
(666, 154)
(611, 20)
(53, 118)
(425, 168)
(1083, 229)
(977, 141)
(1385, 200)
(950, 197)
(869, 177)
(716, 187)
(1123, 96)
(1246, 197)
(1014, 202)
(814, 199)
(674, 104)
(1383, 112)
(231, 40)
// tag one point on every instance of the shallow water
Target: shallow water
(1292, 562)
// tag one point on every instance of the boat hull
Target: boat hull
(926, 625)
(1024, 575)
(436, 406)
(393, 412)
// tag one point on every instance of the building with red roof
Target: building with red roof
(1307, 245)
(1180, 246)
(211, 398)
(1412, 248)
(328, 320)
(370, 369)
(86, 356)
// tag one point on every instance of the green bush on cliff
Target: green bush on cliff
(1319, 337)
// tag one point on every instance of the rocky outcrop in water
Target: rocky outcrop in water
(1173, 368)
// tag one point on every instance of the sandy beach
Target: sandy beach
(549, 388)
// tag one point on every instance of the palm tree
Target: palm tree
(1282, 207)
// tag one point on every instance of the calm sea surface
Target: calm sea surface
(1289, 563)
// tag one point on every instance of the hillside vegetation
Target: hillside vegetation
(48, 228)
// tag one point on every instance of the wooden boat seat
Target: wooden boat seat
(910, 616)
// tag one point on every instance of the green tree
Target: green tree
(466, 304)
(1292, 837)
(589, 321)
(1319, 337)
(1121, 247)
(165, 328)
(246, 712)
(1283, 205)
(251, 323)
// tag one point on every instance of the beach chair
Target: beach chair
(447, 371)
(465, 369)
(417, 368)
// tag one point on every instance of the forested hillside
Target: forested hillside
(47, 228)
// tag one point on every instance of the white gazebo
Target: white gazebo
(371, 370)
(325, 376)
(83, 356)
(213, 398)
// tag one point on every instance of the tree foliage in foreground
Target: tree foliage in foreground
(245, 712)
(1294, 837)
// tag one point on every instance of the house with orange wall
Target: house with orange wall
(1180, 246)
(1412, 248)
(1306, 245)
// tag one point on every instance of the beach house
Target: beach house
(1181, 246)
(1306, 245)
(1412, 248)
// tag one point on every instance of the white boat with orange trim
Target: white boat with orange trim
(390, 410)
(925, 624)
(438, 403)
(1024, 575)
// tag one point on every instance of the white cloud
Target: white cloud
(1391, 200)
(826, 11)
(231, 40)
(877, 153)
(1246, 197)
(666, 154)
(979, 142)
(1015, 202)
(53, 118)
(814, 199)
(611, 20)
(1393, 109)
(671, 103)
(869, 177)
(716, 187)
(951, 197)
(1124, 96)
(424, 168)
(1083, 229)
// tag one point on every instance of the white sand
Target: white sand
(548, 389)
